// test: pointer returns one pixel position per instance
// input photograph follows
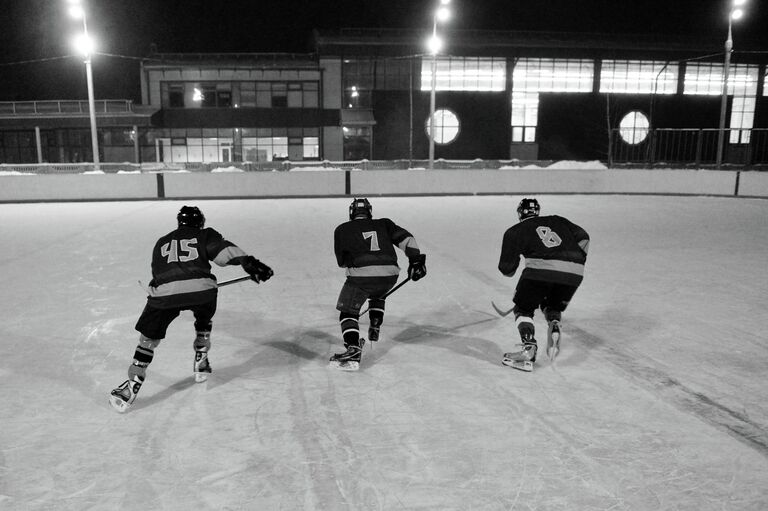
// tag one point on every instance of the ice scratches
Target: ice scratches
(736, 424)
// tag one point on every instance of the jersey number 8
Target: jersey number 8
(548, 237)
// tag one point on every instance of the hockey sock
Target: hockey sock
(202, 341)
(376, 312)
(526, 328)
(142, 357)
(350, 329)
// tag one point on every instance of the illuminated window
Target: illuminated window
(553, 75)
(707, 78)
(446, 126)
(464, 74)
(531, 76)
(525, 114)
(633, 128)
(638, 77)
(311, 147)
(742, 119)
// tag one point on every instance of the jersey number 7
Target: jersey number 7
(374, 240)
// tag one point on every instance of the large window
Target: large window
(532, 76)
(707, 78)
(357, 82)
(361, 76)
(268, 94)
(464, 74)
(553, 75)
(638, 77)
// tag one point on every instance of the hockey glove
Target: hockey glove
(258, 271)
(417, 269)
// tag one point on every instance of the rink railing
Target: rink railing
(233, 183)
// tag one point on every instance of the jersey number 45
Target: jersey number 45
(179, 251)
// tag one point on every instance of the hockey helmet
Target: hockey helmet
(528, 208)
(360, 208)
(191, 216)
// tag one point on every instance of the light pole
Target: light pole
(441, 14)
(86, 46)
(734, 13)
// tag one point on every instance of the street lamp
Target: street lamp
(735, 13)
(442, 13)
(85, 45)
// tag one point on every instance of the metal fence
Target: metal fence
(690, 148)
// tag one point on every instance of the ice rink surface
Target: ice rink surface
(659, 399)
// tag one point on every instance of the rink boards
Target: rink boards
(333, 183)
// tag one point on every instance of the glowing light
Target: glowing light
(443, 14)
(76, 11)
(84, 44)
(434, 45)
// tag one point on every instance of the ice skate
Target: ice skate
(553, 340)
(202, 367)
(123, 396)
(373, 334)
(523, 359)
(350, 359)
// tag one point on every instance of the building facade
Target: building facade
(365, 94)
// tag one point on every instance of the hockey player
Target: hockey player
(365, 247)
(182, 280)
(555, 250)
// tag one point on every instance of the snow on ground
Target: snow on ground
(658, 400)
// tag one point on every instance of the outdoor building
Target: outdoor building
(364, 94)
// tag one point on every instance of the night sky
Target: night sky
(38, 61)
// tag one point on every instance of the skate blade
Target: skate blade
(346, 365)
(552, 353)
(118, 404)
(526, 366)
(201, 377)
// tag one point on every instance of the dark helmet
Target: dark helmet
(191, 216)
(360, 208)
(528, 208)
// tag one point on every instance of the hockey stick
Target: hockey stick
(386, 295)
(500, 312)
(220, 284)
(234, 281)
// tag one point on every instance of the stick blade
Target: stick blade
(500, 312)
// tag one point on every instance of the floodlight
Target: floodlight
(84, 44)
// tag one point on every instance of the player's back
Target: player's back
(550, 237)
(365, 242)
(182, 254)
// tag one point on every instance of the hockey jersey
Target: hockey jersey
(181, 269)
(366, 247)
(554, 248)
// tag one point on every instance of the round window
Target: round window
(633, 128)
(446, 126)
